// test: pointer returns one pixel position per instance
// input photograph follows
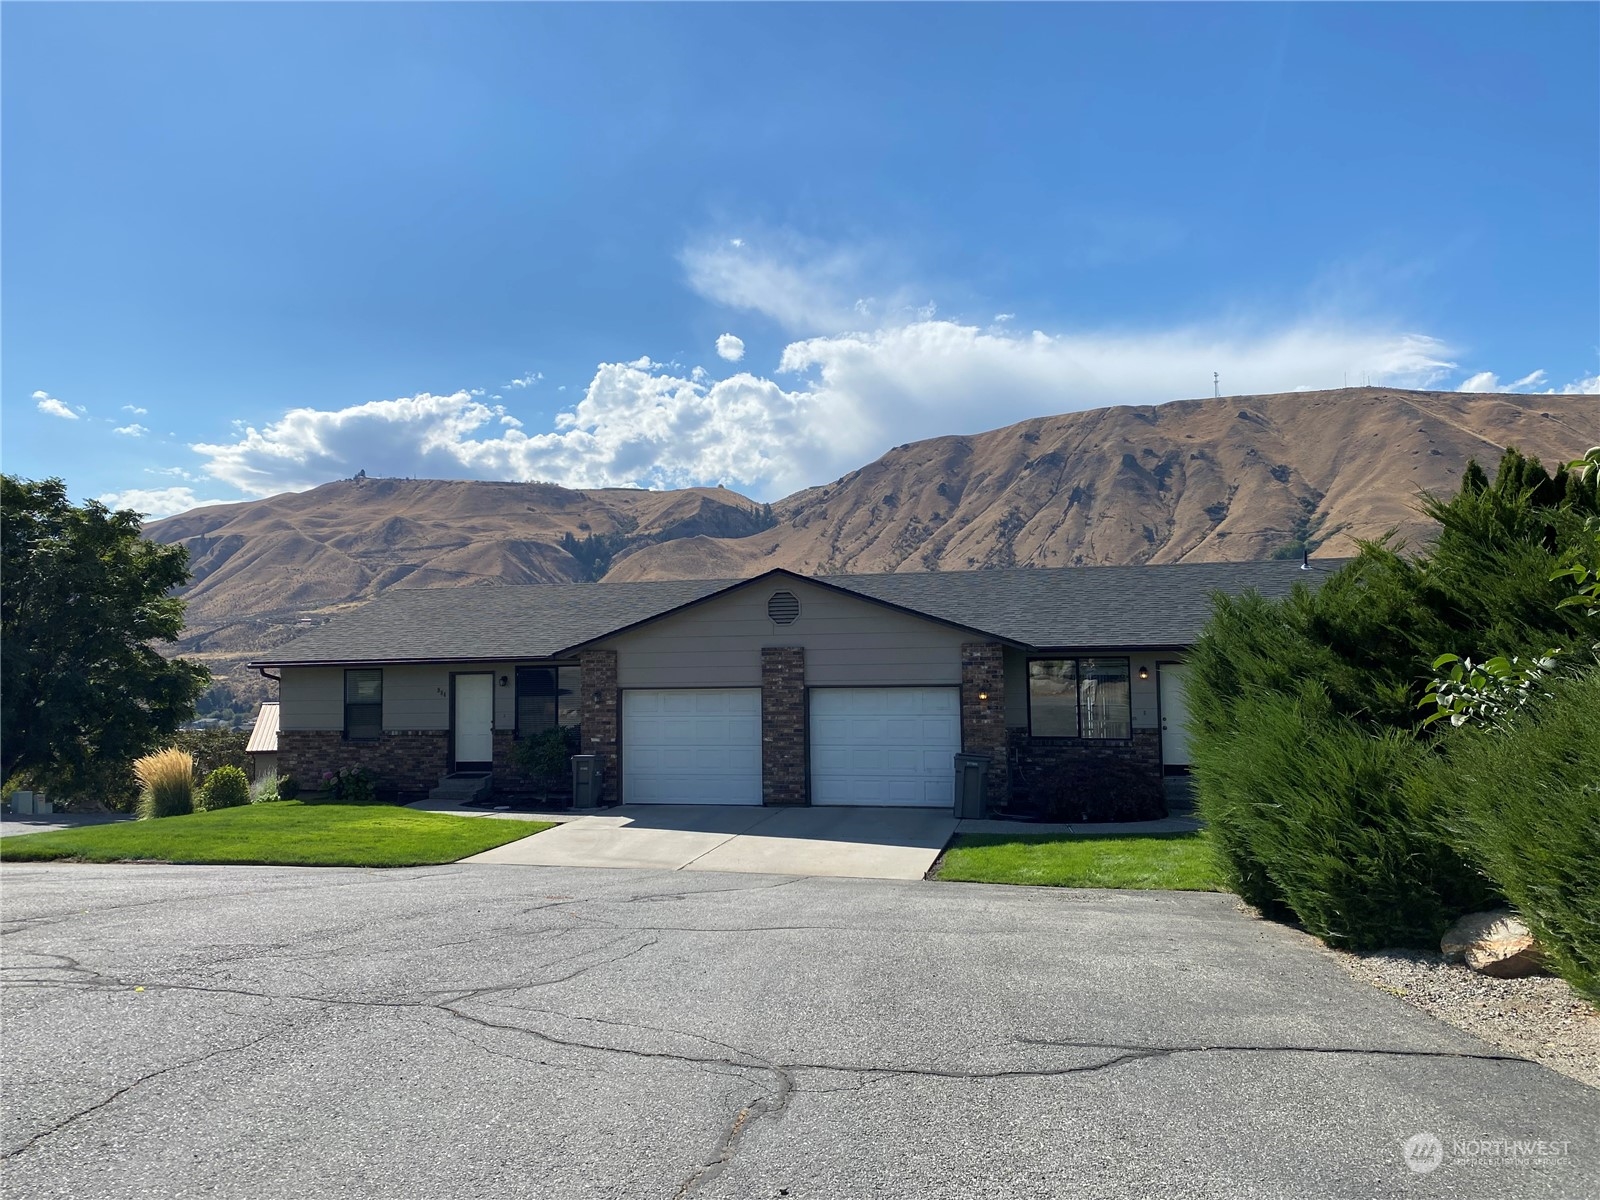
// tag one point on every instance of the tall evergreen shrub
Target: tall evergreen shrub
(1318, 819)
(1524, 804)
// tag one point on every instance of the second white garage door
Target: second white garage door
(891, 746)
(691, 746)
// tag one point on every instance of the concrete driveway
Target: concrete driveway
(549, 1032)
(860, 843)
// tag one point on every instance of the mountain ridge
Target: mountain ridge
(1231, 478)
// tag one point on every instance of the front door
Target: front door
(472, 721)
(1174, 715)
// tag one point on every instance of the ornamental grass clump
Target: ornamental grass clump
(265, 789)
(166, 781)
(226, 787)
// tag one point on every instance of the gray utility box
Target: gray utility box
(30, 804)
(586, 791)
(972, 786)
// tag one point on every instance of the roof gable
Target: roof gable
(1046, 608)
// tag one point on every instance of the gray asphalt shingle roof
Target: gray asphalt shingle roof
(1077, 607)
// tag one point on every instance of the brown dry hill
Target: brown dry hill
(263, 569)
(1237, 478)
(1240, 478)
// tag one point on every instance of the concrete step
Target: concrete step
(462, 789)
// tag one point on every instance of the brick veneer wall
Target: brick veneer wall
(783, 725)
(1089, 779)
(409, 761)
(600, 716)
(983, 722)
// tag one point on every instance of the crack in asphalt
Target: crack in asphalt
(73, 1118)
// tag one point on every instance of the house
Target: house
(263, 746)
(780, 690)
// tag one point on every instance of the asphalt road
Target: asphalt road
(568, 1033)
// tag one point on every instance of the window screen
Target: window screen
(1053, 697)
(547, 698)
(363, 705)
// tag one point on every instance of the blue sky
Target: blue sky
(251, 248)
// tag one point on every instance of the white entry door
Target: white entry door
(889, 746)
(691, 746)
(1174, 715)
(472, 720)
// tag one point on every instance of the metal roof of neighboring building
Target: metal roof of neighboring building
(264, 737)
(1077, 607)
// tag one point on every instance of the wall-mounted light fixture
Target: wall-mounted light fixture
(1144, 672)
(597, 696)
(505, 680)
(983, 695)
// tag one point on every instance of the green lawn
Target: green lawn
(286, 833)
(1171, 861)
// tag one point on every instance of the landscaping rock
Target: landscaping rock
(1495, 943)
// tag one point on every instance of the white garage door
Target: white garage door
(884, 745)
(695, 746)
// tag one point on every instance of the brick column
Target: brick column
(599, 704)
(783, 725)
(983, 721)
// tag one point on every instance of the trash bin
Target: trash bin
(586, 791)
(972, 786)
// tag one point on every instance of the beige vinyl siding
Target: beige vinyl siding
(1142, 691)
(311, 698)
(414, 696)
(848, 643)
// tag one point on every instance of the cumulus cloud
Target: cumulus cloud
(1488, 381)
(156, 502)
(136, 410)
(842, 399)
(134, 430)
(49, 404)
(521, 381)
(730, 347)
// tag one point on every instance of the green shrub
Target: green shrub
(215, 746)
(351, 785)
(1524, 805)
(265, 789)
(288, 787)
(226, 787)
(1318, 818)
(167, 782)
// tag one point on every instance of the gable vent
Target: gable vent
(783, 608)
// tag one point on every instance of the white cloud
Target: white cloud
(156, 502)
(136, 410)
(730, 347)
(49, 404)
(845, 399)
(133, 431)
(521, 381)
(1488, 381)
(802, 286)
(173, 472)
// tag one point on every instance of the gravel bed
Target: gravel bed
(1539, 1017)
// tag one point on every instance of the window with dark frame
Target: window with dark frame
(1080, 698)
(363, 705)
(547, 698)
